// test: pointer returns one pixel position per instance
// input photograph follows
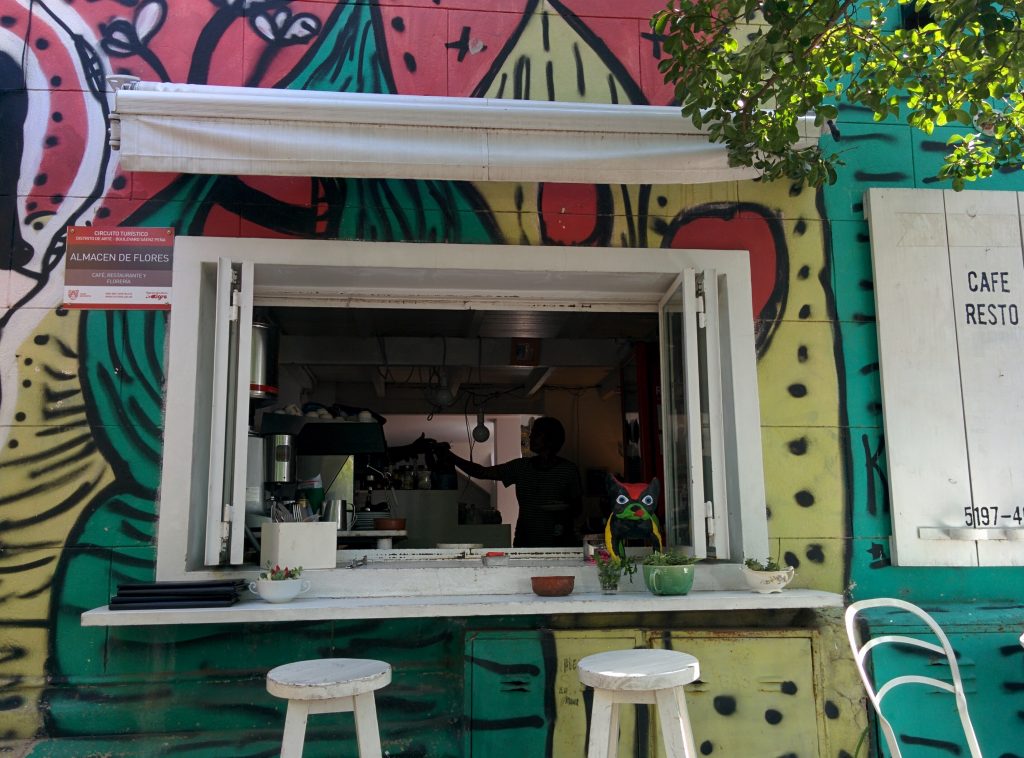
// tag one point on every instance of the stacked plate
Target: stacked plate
(211, 594)
(364, 519)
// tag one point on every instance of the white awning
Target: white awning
(201, 129)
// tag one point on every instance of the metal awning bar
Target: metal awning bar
(203, 129)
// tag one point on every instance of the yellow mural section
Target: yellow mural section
(51, 470)
(756, 694)
(571, 708)
(800, 402)
(798, 375)
(551, 60)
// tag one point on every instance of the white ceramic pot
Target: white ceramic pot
(768, 581)
(279, 590)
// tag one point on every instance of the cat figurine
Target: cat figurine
(633, 515)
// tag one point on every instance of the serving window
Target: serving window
(694, 304)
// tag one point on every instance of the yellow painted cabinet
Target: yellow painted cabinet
(755, 696)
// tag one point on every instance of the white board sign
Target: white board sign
(949, 286)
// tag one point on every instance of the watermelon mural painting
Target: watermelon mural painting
(81, 393)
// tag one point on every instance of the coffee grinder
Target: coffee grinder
(264, 464)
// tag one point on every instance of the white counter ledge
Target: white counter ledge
(251, 610)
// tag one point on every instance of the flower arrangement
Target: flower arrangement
(671, 558)
(768, 565)
(275, 573)
(611, 569)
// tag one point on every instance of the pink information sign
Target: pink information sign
(121, 268)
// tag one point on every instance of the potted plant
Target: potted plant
(610, 569)
(668, 573)
(279, 585)
(767, 576)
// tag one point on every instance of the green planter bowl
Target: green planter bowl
(668, 580)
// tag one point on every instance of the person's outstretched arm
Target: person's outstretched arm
(470, 468)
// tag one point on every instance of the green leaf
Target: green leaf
(815, 56)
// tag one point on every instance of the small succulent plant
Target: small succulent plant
(671, 558)
(768, 564)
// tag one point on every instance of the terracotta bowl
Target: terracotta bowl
(389, 523)
(552, 586)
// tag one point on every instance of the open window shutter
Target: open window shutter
(712, 436)
(238, 408)
(225, 507)
(681, 416)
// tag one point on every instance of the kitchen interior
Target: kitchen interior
(347, 404)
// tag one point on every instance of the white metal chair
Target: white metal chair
(862, 649)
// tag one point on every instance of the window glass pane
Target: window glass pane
(712, 443)
(677, 464)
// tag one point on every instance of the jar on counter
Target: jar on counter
(422, 478)
(406, 479)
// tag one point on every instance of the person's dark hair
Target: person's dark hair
(552, 430)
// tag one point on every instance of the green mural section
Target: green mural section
(980, 608)
(200, 691)
(886, 155)
(985, 640)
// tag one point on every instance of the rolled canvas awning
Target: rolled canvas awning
(202, 129)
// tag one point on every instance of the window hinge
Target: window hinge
(702, 318)
(234, 308)
(227, 515)
(709, 518)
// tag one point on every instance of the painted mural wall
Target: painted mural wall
(81, 392)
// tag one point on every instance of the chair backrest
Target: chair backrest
(861, 649)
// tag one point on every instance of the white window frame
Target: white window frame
(406, 275)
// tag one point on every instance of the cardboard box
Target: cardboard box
(312, 545)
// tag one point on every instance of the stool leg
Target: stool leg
(294, 729)
(675, 723)
(364, 709)
(604, 726)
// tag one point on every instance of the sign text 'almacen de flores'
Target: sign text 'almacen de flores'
(124, 268)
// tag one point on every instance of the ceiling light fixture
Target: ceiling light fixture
(480, 432)
(439, 395)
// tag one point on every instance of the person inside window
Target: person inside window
(547, 487)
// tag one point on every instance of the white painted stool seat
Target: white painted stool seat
(639, 676)
(329, 685)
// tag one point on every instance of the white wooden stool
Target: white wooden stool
(639, 676)
(329, 685)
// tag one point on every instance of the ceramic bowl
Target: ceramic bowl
(768, 581)
(552, 586)
(389, 524)
(279, 590)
